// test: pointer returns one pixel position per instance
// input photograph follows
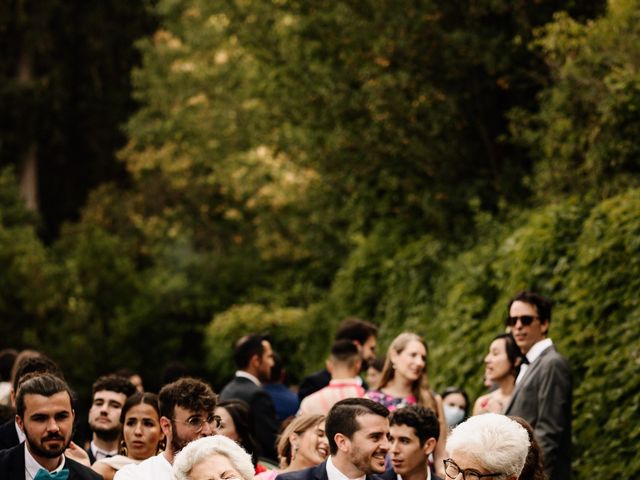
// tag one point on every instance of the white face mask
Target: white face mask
(453, 415)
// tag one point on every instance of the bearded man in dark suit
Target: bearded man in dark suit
(45, 415)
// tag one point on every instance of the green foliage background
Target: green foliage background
(412, 163)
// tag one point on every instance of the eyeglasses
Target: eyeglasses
(525, 319)
(452, 470)
(197, 422)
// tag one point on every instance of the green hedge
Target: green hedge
(585, 257)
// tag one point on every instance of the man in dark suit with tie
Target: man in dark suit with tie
(357, 430)
(45, 415)
(543, 391)
(254, 358)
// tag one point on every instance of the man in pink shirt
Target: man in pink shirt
(343, 364)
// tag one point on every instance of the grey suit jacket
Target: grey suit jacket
(543, 398)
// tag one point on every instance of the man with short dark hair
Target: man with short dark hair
(543, 391)
(253, 357)
(344, 365)
(414, 432)
(363, 335)
(357, 430)
(109, 394)
(186, 414)
(10, 433)
(45, 415)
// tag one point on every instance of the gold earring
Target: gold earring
(123, 448)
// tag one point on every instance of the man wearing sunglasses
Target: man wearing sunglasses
(543, 388)
(186, 414)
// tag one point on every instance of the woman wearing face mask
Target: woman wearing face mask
(502, 364)
(455, 403)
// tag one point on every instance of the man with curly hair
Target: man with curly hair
(186, 414)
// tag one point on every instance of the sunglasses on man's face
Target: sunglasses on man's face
(524, 319)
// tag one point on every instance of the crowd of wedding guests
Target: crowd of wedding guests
(361, 417)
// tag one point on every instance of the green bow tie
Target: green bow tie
(44, 475)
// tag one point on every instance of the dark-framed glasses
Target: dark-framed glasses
(452, 470)
(524, 319)
(196, 422)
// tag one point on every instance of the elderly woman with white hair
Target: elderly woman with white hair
(216, 457)
(487, 446)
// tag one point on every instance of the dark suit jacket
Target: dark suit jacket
(12, 466)
(92, 459)
(8, 435)
(312, 383)
(543, 398)
(314, 473)
(264, 426)
(391, 475)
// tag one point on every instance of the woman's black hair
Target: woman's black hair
(451, 391)
(513, 351)
(241, 415)
(138, 398)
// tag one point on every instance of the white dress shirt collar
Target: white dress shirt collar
(243, 374)
(399, 477)
(99, 454)
(537, 349)
(532, 355)
(31, 466)
(334, 474)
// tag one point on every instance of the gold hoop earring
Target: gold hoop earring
(123, 448)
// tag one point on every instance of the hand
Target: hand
(74, 452)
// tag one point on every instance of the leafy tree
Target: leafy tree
(583, 137)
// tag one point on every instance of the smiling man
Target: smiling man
(109, 394)
(45, 415)
(414, 432)
(543, 388)
(357, 430)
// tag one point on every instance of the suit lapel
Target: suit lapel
(320, 472)
(528, 375)
(16, 467)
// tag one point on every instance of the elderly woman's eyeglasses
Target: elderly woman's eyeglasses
(452, 470)
(197, 422)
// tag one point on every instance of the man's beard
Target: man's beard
(108, 435)
(38, 450)
(177, 442)
(363, 462)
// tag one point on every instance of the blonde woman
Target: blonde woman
(302, 444)
(404, 382)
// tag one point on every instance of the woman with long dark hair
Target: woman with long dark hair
(502, 364)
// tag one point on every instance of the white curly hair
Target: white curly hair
(200, 449)
(496, 442)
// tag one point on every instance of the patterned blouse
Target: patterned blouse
(392, 403)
